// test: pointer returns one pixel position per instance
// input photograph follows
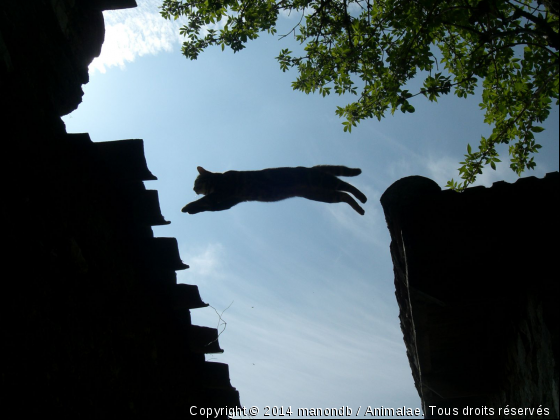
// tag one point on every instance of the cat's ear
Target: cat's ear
(202, 171)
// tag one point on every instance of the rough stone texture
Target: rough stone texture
(477, 287)
(93, 323)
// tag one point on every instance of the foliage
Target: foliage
(373, 48)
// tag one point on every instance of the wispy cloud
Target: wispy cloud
(444, 168)
(132, 33)
(502, 173)
(399, 168)
(136, 32)
(295, 347)
(205, 262)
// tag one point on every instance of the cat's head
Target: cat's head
(204, 183)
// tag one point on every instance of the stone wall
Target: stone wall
(93, 321)
(477, 286)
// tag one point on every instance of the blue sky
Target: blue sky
(314, 320)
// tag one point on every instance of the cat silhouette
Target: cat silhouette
(222, 191)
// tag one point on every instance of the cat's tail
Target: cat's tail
(338, 170)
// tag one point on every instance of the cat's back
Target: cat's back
(279, 183)
(280, 178)
(270, 184)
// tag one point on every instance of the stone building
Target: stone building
(477, 287)
(94, 323)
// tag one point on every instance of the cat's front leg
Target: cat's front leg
(210, 202)
(198, 206)
(192, 208)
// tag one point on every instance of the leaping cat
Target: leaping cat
(320, 183)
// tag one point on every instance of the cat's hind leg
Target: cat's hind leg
(345, 186)
(327, 196)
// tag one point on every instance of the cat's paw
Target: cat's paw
(190, 209)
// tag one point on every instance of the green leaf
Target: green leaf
(375, 50)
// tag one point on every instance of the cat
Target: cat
(222, 191)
